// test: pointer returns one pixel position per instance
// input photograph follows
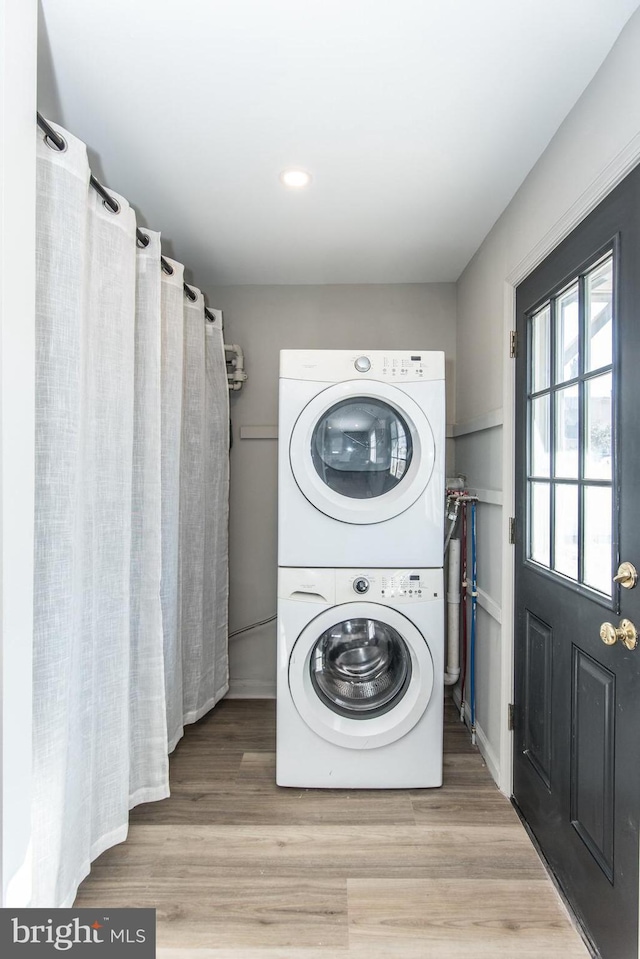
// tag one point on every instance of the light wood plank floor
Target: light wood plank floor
(241, 869)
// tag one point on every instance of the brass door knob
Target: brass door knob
(626, 633)
(627, 575)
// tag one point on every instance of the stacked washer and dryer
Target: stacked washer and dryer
(360, 582)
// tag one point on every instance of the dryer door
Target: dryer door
(361, 675)
(362, 453)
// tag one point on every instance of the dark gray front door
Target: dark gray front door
(577, 706)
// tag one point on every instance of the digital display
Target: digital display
(414, 577)
(415, 358)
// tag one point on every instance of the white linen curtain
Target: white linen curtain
(214, 669)
(196, 641)
(172, 380)
(112, 661)
(148, 733)
(192, 500)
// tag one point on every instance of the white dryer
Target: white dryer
(361, 458)
(360, 678)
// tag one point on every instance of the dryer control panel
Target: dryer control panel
(389, 586)
(338, 366)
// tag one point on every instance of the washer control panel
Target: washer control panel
(403, 584)
(391, 586)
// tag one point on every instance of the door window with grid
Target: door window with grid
(570, 499)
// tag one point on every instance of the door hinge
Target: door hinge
(512, 530)
(513, 344)
(510, 716)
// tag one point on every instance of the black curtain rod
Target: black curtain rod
(57, 142)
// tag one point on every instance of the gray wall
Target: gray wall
(599, 136)
(265, 320)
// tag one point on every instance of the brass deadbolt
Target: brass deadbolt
(626, 576)
(626, 633)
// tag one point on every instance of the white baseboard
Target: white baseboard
(483, 743)
(251, 689)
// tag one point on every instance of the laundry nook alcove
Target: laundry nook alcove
(319, 598)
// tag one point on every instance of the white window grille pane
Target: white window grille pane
(567, 433)
(566, 530)
(567, 343)
(597, 538)
(539, 518)
(540, 352)
(599, 311)
(597, 461)
(540, 438)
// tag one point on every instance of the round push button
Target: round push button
(363, 364)
(361, 585)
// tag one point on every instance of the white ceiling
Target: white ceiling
(418, 120)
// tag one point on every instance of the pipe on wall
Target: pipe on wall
(452, 673)
(235, 366)
(474, 616)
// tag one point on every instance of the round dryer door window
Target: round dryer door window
(361, 675)
(360, 668)
(362, 457)
(361, 448)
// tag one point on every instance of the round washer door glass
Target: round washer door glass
(360, 668)
(361, 447)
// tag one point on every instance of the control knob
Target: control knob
(363, 364)
(361, 585)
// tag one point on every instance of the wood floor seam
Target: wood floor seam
(239, 868)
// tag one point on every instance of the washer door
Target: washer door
(361, 675)
(362, 453)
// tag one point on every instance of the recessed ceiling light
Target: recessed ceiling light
(295, 178)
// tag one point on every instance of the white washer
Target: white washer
(361, 458)
(360, 678)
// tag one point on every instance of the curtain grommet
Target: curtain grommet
(167, 268)
(109, 206)
(51, 143)
(142, 240)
